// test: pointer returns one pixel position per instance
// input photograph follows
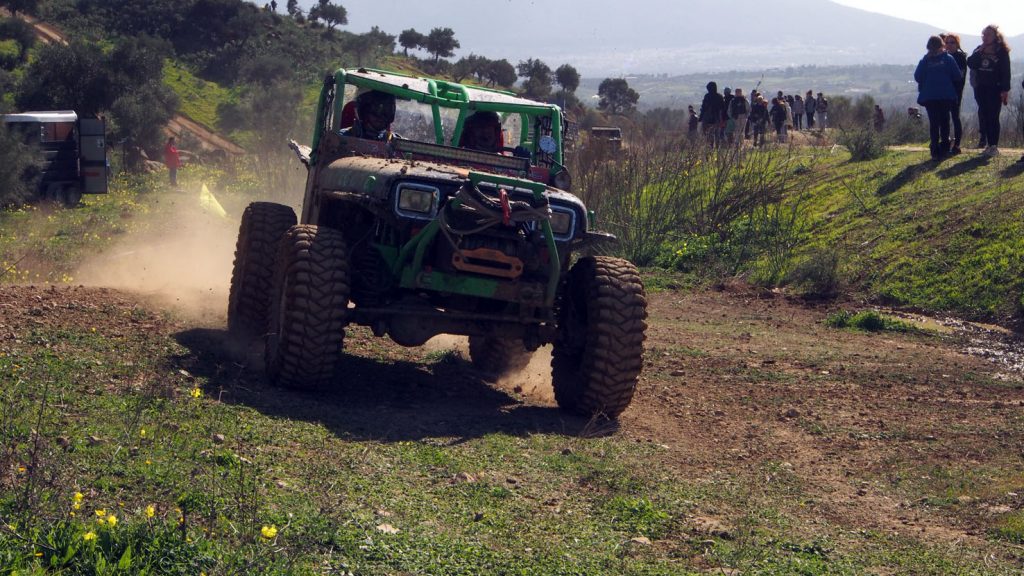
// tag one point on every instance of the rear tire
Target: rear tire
(597, 357)
(252, 276)
(309, 309)
(498, 355)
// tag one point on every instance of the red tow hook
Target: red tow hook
(506, 210)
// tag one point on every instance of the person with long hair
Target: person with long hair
(937, 76)
(952, 42)
(991, 64)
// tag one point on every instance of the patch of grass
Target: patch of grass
(1011, 528)
(199, 99)
(869, 321)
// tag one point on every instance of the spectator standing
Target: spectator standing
(693, 123)
(937, 76)
(778, 115)
(952, 43)
(821, 111)
(810, 106)
(727, 99)
(798, 112)
(991, 64)
(712, 108)
(738, 110)
(173, 160)
(758, 118)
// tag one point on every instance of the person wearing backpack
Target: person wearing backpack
(738, 110)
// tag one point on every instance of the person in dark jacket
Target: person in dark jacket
(952, 42)
(991, 65)
(712, 110)
(937, 77)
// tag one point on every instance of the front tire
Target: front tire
(309, 310)
(252, 275)
(597, 357)
(498, 355)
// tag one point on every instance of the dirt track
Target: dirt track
(738, 386)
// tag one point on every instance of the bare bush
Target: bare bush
(682, 204)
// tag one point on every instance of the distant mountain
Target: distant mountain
(661, 36)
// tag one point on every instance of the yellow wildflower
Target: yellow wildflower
(101, 512)
(196, 393)
(150, 511)
(89, 536)
(269, 531)
(79, 497)
(112, 520)
(142, 432)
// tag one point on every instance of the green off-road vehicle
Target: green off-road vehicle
(415, 228)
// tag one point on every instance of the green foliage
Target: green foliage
(616, 97)
(816, 275)
(638, 516)
(441, 42)
(20, 173)
(863, 144)
(1011, 528)
(867, 320)
(536, 78)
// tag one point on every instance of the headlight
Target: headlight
(561, 223)
(417, 200)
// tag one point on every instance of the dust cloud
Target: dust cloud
(179, 257)
(533, 381)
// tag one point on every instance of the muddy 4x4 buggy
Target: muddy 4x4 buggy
(414, 236)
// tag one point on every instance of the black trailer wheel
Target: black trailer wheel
(597, 357)
(498, 355)
(309, 309)
(252, 277)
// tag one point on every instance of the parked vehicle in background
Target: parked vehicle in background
(610, 136)
(72, 152)
(414, 235)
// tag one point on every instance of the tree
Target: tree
(469, 66)
(126, 82)
(616, 96)
(293, 8)
(568, 78)
(333, 15)
(537, 75)
(411, 40)
(23, 6)
(501, 73)
(21, 171)
(441, 43)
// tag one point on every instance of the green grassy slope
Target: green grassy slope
(941, 237)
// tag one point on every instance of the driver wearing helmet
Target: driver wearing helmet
(375, 111)
(482, 131)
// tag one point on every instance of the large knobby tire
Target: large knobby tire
(597, 357)
(498, 355)
(309, 309)
(252, 276)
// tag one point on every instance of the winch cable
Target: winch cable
(489, 212)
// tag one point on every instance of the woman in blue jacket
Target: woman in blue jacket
(937, 77)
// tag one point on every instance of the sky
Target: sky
(968, 16)
(953, 15)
